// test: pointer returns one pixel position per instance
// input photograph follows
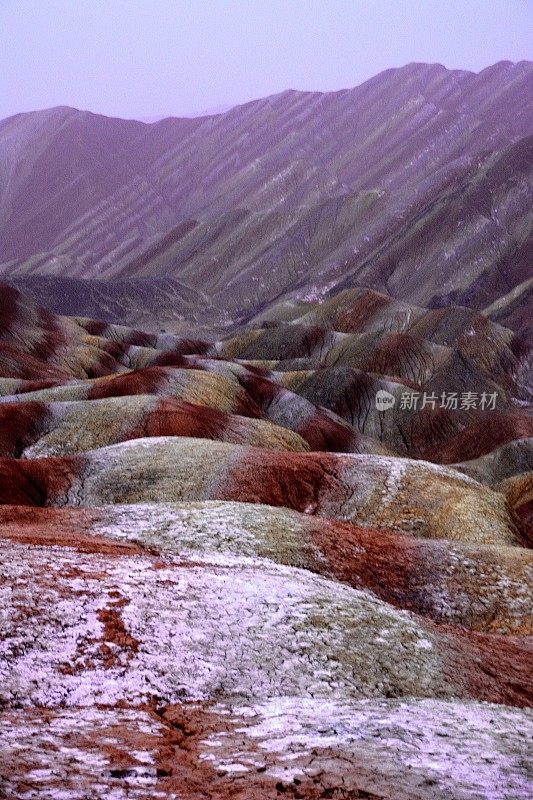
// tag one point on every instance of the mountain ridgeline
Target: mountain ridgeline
(416, 184)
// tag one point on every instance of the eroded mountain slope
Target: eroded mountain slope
(416, 183)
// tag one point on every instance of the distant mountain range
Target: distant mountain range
(203, 113)
(416, 184)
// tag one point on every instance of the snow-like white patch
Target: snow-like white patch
(37, 752)
(207, 530)
(467, 750)
(393, 480)
(247, 629)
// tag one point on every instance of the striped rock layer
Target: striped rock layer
(226, 573)
(417, 183)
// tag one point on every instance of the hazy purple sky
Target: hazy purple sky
(142, 58)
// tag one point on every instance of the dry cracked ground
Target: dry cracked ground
(225, 574)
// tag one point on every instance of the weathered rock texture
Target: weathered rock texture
(225, 572)
(181, 651)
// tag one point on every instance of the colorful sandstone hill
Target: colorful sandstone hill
(227, 573)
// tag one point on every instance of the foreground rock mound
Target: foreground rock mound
(227, 572)
(396, 750)
(479, 587)
(202, 666)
